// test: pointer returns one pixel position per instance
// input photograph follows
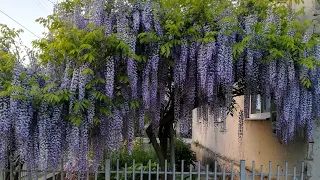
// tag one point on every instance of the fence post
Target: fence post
(107, 169)
(242, 170)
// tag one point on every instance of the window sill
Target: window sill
(259, 117)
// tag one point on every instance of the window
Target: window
(259, 107)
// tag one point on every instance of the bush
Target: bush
(142, 153)
(183, 152)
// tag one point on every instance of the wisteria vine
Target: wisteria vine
(60, 112)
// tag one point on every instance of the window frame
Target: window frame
(259, 116)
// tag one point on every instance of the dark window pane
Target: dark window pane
(260, 104)
(255, 104)
(265, 104)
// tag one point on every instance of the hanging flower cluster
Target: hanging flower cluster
(86, 99)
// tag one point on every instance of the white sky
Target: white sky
(26, 12)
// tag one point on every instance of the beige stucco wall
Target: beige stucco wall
(258, 143)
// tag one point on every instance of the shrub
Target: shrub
(183, 152)
(143, 153)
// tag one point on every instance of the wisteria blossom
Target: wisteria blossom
(146, 70)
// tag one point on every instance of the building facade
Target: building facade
(257, 141)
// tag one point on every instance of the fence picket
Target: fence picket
(157, 172)
(224, 172)
(88, 174)
(232, 170)
(286, 171)
(141, 172)
(199, 173)
(215, 170)
(261, 172)
(37, 174)
(182, 169)
(302, 170)
(165, 169)
(207, 172)
(19, 172)
(117, 170)
(278, 172)
(174, 172)
(270, 170)
(294, 172)
(243, 170)
(149, 176)
(253, 170)
(45, 174)
(125, 171)
(107, 169)
(133, 170)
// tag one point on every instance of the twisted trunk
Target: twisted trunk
(164, 133)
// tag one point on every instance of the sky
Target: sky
(26, 12)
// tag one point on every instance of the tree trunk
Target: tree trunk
(17, 174)
(156, 146)
(165, 132)
(172, 150)
(14, 175)
(162, 149)
(164, 145)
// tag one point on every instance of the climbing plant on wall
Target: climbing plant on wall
(108, 68)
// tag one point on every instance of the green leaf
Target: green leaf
(91, 58)
(75, 119)
(105, 111)
(86, 71)
(85, 57)
(19, 97)
(85, 46)
(23, 76)
(99, 96)
(306, 82)
(73, 51)
(48, 87)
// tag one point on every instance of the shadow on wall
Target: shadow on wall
(257, 143)
(223, 164)
(207, 157)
